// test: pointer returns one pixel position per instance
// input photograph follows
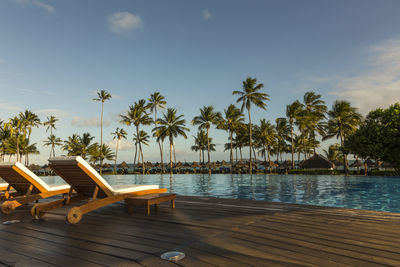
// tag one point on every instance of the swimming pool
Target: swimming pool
(356, 192)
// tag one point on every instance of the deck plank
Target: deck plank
(210, 231)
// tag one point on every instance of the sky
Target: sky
(55, 55)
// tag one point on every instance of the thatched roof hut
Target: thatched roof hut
(224, 163)
(107, 166)
(34, 167)
(240, 164)
(195, 165)
(269, 164)
(370, 163)
(317, 162)
(356, 164)
(148, 165)
(213, 165)
(178, 165)
(123, 165)
(286, 164)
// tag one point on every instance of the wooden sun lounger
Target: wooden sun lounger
(89, 185)
(3, 186)
(24, 187)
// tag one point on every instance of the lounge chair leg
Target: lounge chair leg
(8, 207)
(74, 215)
(173, 203)
(147, 209)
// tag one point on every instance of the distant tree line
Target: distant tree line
(307, 123)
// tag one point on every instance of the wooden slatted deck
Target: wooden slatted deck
(211, 232)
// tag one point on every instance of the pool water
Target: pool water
(356, 192)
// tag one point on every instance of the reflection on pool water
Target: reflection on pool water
(371, 193)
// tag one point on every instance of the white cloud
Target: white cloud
(9, 107)
(124, 145)
(52, 111)
(379, 86)
(206, 15)
(88, 122)
(36, 3)
(124, 22)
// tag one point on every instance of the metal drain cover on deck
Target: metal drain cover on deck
(173, 255)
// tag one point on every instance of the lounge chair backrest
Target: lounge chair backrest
(80, 175)
(21, 178)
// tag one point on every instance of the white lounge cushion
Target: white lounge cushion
(58, 187)
(115, 189)
(28, 172)
(122, 189)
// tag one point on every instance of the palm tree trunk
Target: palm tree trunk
(170, 155)
(134, 160)
(345, 164)
(141, 153)
(159, 141)
(291, 137)
(208, 152)
(255, 155)
(269, 160)
(202, 151)
(305, 147)
(101, 137)
(140, 149)
(173, 145)
(116, 155)
(236, 154)
(199, 156)
(250, 145)
(298, 157)
(231, 155)
(17, 148)
(241, 156)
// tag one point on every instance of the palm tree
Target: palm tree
(102, 96)
(50, 123)
(118, 135)
(170, 126)
(141, 138)
(80, 145)
(315, 110)
(16, 129)
(29, 120)
(232, 121)
(266, 136)
(137, 115)
(157, 100)
(53, 141)
(334, 153)
(26, 148)
(207, 118)
(249, 95)
(100, 153)
(282, 130)
(343, 121)
(71, 145)
(201, 144)
(292, 111)
(198, 143)
(5, 134)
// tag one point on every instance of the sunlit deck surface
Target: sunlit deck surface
(211, 232)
